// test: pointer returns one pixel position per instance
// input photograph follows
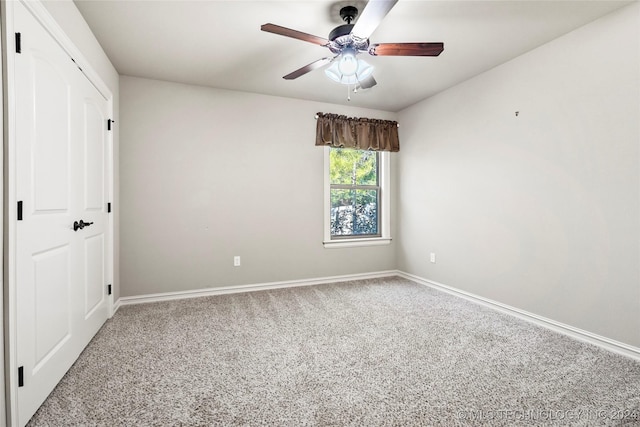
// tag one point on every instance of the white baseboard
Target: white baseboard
(116, 306)
(576, 333)
(168, 296)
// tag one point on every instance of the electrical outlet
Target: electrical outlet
(236, 261)
(432, 257)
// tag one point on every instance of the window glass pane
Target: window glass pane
(353, 167)
(354, 212)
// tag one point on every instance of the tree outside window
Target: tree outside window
(354, 192)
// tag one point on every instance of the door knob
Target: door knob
(80, 225)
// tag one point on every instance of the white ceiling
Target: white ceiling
(219, 43)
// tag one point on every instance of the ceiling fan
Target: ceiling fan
(348, 40)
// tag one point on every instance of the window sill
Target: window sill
(353, 243)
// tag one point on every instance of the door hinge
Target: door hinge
(21, 376)
(109, 207)
(20, 210)
(74, 61)
(109, 122)
(18, 43)
(108, 289)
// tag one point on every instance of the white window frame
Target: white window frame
(385, 200)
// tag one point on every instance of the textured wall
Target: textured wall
(539, 211)
(207, 174)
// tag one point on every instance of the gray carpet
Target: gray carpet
(374, 352)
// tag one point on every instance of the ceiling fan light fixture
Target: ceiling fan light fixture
(363, 71)
(333, 72)
(348, 63)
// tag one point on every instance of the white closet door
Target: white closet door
(92, 200)
(60, 178)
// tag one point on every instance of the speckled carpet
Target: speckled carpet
(367, 353)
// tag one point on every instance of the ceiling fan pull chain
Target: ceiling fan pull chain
(348, 94)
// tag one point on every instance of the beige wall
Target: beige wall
(540, 211)
(66, 14)
(208, 174)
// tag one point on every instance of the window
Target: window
(354, 193)
(356, 197)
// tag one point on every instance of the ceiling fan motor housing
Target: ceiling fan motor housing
(340, 31)
(341, 37)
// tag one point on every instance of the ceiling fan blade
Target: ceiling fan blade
(406, 49)
(372, 15)
(288, 32)
(367, 83)
(307, 68)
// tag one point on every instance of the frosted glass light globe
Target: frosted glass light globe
(348, 64)
(364, 70)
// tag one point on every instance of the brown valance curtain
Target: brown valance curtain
(359, 133)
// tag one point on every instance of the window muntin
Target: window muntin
(354, 178)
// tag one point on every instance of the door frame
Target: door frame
(8, 168)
